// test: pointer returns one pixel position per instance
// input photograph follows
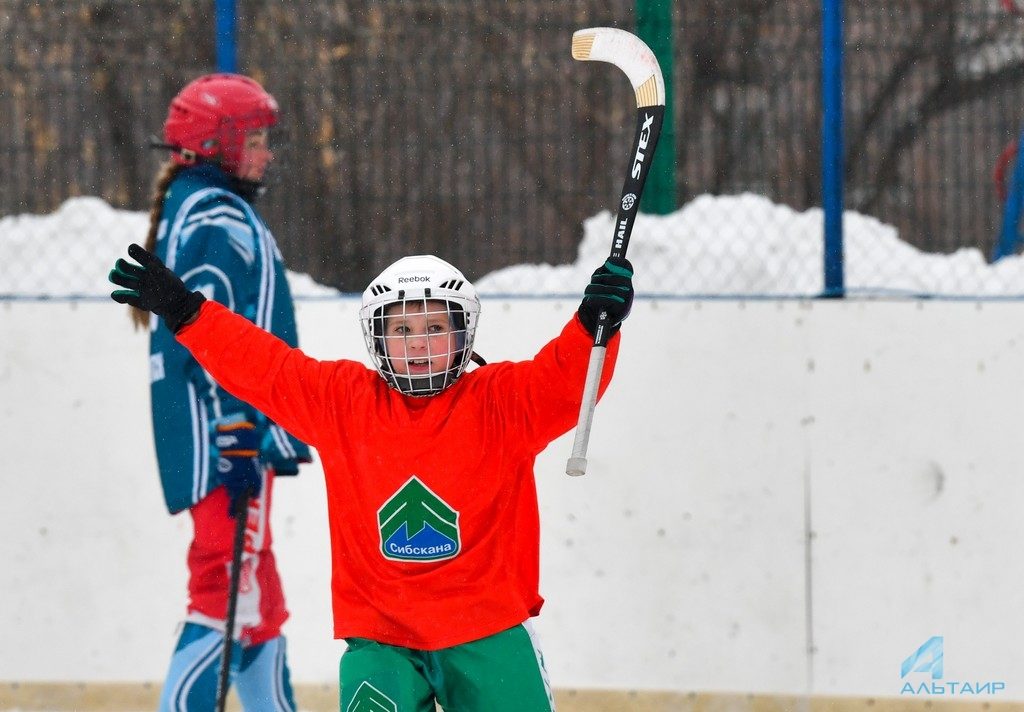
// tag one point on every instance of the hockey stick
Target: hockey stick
(241, 513)
(629, 53)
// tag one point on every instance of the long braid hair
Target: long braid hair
(167, 173)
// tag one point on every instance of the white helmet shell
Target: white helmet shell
(422, 285)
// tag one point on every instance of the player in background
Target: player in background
(204, 226)
(429, 472)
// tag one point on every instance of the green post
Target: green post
(654, 26)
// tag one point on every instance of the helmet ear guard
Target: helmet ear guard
(418, 283)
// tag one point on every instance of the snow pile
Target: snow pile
(745, 245)
(740, 245)
(70, 251)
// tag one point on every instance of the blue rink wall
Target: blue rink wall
(784, 498)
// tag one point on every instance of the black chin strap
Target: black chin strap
(185, 153)
(154, 142)
(250, 190)
(477, 359)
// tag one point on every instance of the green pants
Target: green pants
(501, 673)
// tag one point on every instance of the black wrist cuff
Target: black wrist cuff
(182, 310)
(589, 320)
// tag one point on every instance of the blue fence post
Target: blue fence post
(832, 144)
(1009, 237)
(226, 24)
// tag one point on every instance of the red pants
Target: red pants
(261, 608)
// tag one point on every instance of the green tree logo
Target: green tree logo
(417, 525)
(369, 699)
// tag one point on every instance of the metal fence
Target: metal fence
(466, 130)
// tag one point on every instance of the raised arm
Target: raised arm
(245, 360)
(150, 286)
(549, 388)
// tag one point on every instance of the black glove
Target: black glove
(150, 286)
(610, 290)
(237, 462)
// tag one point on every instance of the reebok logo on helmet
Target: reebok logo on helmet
(411, 281)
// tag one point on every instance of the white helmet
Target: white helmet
(424, 312)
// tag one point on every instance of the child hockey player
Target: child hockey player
(204, 225)
(429, 472)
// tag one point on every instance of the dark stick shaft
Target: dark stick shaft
(241, 512)
(645, 140)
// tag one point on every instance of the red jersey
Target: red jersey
(435, 531)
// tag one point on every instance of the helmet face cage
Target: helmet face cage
(419, 344)
(211, 117)
(420, 338)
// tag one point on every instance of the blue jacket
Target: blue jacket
(215, 241)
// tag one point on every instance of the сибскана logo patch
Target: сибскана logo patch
(417, 525)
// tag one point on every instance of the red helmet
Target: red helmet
(211, 115)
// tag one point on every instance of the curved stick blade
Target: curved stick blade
(627, 52)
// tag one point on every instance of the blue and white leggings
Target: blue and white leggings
(259, 673)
